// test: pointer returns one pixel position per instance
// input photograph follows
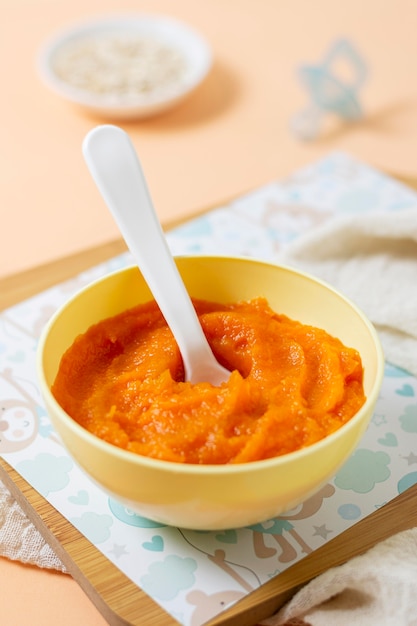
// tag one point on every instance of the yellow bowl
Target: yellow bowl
(213, 497)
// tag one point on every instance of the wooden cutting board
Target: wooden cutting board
(119, 600)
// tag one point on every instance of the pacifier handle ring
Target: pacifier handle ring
(343, 48)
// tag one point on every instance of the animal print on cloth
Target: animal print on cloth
(19, 539)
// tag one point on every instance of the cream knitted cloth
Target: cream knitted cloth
(372, 259)
(378, 588)
(19, 539)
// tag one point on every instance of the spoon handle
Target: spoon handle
(116, 170)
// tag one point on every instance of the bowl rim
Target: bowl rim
(135, 22)
(211, 469)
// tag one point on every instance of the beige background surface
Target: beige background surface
(230, 136)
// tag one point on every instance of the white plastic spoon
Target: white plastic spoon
(116, 170)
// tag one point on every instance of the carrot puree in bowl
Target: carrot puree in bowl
(291, 385)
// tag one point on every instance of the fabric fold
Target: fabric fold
(372, 260)
(378, 587)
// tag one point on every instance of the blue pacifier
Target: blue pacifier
(328, 92)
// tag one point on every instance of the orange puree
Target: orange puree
(290, 386)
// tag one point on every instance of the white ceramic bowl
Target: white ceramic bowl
(87, 66)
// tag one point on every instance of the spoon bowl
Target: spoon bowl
(117, 172)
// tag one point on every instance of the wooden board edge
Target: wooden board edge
(118, 599)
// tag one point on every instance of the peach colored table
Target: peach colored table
(230, 136)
